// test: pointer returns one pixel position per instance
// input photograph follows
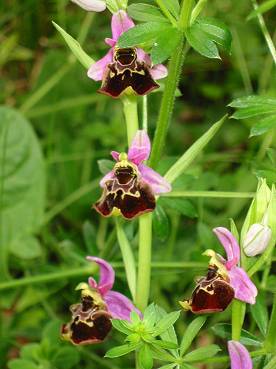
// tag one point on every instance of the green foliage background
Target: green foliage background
(75, 128)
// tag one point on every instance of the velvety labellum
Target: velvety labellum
(90, 323)
(212, 294)
(127, 75)
(126, 194)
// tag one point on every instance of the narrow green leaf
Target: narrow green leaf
(271, 364)
(146, 13)
(224, 331)
(262, 8)
(165, 323)
(173, 7)
(142, 33)
(160, 223)
(263, 126)
(145, 357)
(202, 353)
(191, 332)
(121, 350)
(188, 157)
(165, 344)
(75, 47)
(122, 326)
(260, 313)
(168, 366)
(128, 258)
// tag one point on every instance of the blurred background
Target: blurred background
(63, 132)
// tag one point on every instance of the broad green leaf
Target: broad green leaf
(66, 358)
(191, 332)
(160, 223)
(205, 33)
(128, 258)
(202, 353)
(121, 350)
(263, 125)
(122, 326)
(31, 351)
(146, 13)
(252, 100)
(262, 8)
(22, 179)
(165, 323)
(105, 165)
(75, 47)
(26, 247)
(145, 357)
(253, 111)
(143, 33)
(188, 157)
(260, 313)
(183, 206)
(173, 7)
(271, 364)
(22, 364)
(224, 331)
(164, 45)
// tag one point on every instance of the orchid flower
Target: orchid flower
(127, 70)
(91, 5)
(239, 356)
(129, 189)
(91, 319)
(224, 280)
(244, 288)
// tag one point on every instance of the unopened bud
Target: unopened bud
(91, 5)
(256, 239)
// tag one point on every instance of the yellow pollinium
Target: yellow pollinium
(185, 304)
(215, 260)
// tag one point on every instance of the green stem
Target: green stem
(4, 251)
(166, 12)
(265, 32)
(131, 116)
(197, 10)
(270, 341)
(144, 261)
(185, 14)
(128, 258)
(215, 194)
(83, 271)
(238, 314)
(145, 113)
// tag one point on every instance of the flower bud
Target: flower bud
(256, 239)
(91, 5)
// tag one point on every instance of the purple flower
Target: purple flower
(244, 288)
(125, 70)
(91, 5)
(118, 305)
(239, 356)
(129, 189)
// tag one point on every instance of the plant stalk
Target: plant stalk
(270, 341)
(131, 116)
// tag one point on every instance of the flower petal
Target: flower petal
(154, 179)
(140, 147)
(120, 23)
(115, 155)
(143, 56)
(107, 177)
(119, 306)
(107, 274)
(110, 41)
(159, 71)
(96, 71)
(245, 289)
(239, 356)
(230, 245)
(91, 5)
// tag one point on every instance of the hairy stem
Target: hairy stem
(270, 341)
